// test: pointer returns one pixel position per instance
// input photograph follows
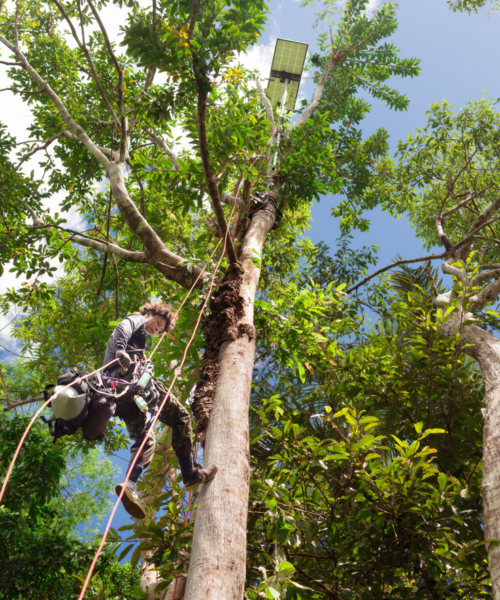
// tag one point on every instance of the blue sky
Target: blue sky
(459, 62)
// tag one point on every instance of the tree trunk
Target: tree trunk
(485, 348)
(218, 561)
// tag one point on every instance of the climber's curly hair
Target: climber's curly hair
(163, 310)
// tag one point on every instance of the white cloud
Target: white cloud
(259, 58)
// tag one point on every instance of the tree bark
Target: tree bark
(485, 348)
(218, 561)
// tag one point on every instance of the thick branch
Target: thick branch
(482, 277)
(449, 269)
(443, 236)
(213, 189)
(173, 267)
(229, 199)
(318, 92)
(194, 14)
(45, 87)
(72, 136)
(489, 294)
(267, 105)
(395, 264)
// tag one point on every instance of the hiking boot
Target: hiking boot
(130, 500)
(202, 476)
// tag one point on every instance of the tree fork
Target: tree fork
(218, 562)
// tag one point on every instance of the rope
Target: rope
(35, 417)
(155, 419)
(186, 520)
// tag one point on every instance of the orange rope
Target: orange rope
(186, 297)
(35, 417)
(154, 420)
(185, 521)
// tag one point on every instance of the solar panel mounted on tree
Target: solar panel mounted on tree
(286, 73)
(284, 80)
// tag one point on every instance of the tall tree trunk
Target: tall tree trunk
(485, 348)
(218, 560)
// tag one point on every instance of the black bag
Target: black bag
(100, 409)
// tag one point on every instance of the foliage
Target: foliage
(470, 6)
(39, 554)
(366, 479)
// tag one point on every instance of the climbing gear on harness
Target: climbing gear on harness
(130, 499)
(141, 386)
(91, 403)
(202, 476)
(261, 202)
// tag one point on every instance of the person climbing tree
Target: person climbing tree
(127, 344)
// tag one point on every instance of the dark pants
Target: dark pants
(173, 415)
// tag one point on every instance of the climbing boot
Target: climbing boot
(200, 476)
(130, 499)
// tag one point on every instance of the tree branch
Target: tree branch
(35, 150)
(22, 402)
(318, 92)
(489, 294)
(480, 222)
(230, 199)
(267, 105)
(161, 144)
(158, 255)
(395, 264)
(213, 189)
(194, 15)
(7, 399)
(119, 85)
(83, 47)
(100, 245)
(45, 87)
(482, 277)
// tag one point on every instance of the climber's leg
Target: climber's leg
(176, 416)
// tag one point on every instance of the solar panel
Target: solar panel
(288, 63)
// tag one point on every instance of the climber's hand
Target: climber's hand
(124, 359)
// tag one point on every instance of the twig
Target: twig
(395, 264)
(117, 286)
(22, 402)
